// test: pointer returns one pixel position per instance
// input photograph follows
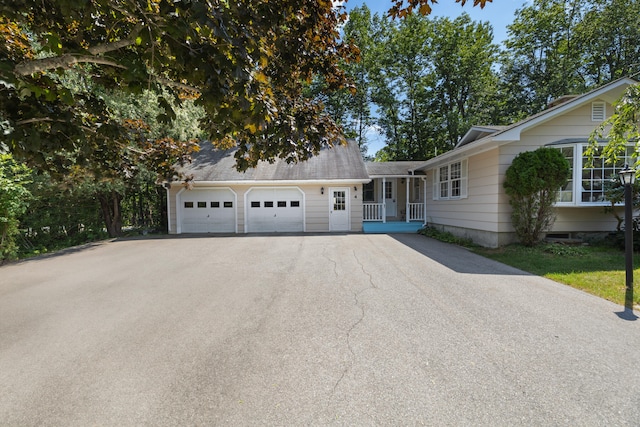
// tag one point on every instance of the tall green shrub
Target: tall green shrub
(13, 202)
(532, 183)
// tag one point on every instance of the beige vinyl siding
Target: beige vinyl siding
(478, 210)
(585, 220)
(573, 124)
(316, 205)
(317, 210)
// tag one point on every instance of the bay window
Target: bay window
(587, 183)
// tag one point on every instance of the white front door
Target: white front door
(390, 198)
(339, 209)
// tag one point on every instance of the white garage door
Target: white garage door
(275, 210)
(208, 211)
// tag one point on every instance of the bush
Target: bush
(13, 202)
(532, 182)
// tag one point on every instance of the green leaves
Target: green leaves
(532, 183)
(13, 202)
(246, 62)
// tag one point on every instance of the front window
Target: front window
(368, 193)
(587, 184)
(566, 192)
(451, 182)
(594, 177)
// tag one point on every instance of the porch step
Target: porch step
(375, 227)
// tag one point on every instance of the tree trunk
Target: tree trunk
(111, 212)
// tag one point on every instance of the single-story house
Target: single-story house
(460, 191)
(465, 195)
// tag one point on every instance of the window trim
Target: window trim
(577, 175)
(448, 184)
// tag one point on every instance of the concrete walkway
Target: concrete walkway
(306, 330)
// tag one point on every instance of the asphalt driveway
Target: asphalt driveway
(306, 330)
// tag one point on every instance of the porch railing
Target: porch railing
(372, 211)
(416, 211)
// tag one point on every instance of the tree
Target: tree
(544, 56)
(564, 47)
(429, 80)
(607, 36)
(465, 83)
(13, 202)
(247, 62)
(532, 182)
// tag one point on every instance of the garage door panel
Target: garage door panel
(208, 211)
(275, 210)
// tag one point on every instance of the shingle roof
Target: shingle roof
(341, 162)
(391, 168)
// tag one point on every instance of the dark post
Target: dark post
(627, 177)
(628, 235)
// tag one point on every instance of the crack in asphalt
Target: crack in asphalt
(355, 325)
(331, 260)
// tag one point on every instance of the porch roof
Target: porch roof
(401, 168)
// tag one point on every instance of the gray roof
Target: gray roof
(342, 162)
(391, 168)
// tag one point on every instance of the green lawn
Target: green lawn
(597, 270)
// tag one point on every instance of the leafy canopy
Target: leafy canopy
(245, 62)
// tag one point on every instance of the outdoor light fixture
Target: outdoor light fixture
(355, 188)
(321, 190)
(627, 177)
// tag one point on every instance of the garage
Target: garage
(207, 211)
(275, 210)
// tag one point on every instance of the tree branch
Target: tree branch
(64, 61)
(67, 60)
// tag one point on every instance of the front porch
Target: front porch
(395, 199)
(379, 227)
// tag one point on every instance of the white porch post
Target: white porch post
(384, 201)
(424, 200)
(408, 213)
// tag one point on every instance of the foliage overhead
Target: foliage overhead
(245, 62)
(403, 8)
(532, 182)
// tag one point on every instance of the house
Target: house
(460, 191)
(465, 193)
(321, 194)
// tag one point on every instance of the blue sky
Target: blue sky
(499, 14)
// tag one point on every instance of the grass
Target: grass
(599, 270)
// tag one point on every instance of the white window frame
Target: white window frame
(446, 181)
(590, 181)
